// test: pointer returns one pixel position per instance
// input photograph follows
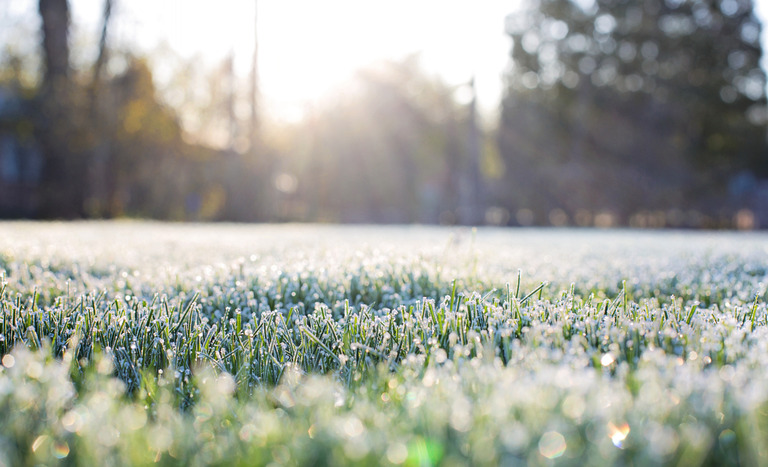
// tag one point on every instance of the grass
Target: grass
(140, 343)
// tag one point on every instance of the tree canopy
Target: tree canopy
(624, 105)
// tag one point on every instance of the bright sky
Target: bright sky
(307, 47)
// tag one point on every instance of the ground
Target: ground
(136, 342)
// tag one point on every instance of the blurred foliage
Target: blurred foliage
(625, 106)
(615, 113)
(389, 148)
(386, 149)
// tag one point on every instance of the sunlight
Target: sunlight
(310, 48)
(618, 433)
(306, 48)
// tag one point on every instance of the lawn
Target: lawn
(131, 343)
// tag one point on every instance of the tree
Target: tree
(55, 27)
(100, 116)
(621, 105)
(63, 170)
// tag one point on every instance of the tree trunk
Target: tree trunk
(55, 23)
(62, 189)
(97, 201)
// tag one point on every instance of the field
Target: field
(131, 343)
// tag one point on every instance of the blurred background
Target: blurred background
(642, 113)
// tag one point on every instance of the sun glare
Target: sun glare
(308, 48)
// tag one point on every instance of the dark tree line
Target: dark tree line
(627, 106)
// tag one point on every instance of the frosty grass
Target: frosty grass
(134, 343)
